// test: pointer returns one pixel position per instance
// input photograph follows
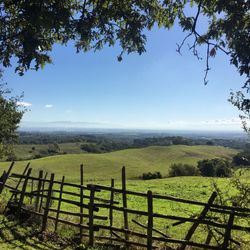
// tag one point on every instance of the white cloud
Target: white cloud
(24, 104)
(48, 106)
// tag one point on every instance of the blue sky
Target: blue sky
(157, 90)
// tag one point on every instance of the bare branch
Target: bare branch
(207, 65)
(198, 37)
(179, 47)
(197, 16)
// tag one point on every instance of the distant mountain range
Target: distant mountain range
(95, 127)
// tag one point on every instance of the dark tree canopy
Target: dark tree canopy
(29, 29)
(242, 158)
(10, 117)
(215, 167)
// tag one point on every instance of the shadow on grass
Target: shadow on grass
(19, 236)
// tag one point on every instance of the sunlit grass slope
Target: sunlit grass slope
(137, 161)
(24, 151)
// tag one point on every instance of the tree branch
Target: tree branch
(197, 37)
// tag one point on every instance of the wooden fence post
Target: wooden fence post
(227, 235)
(91, 215)
(59, 202)
(150, 221)
(19, 181)
(14, 195)
(81, 201)
(46, 210)
(39, 185)
(43, 187)
(124, 201)
(200, 218)
(10, 168)
(26, 179)
(111, 204)
(5, 176)
(3, 179)
(31, 191)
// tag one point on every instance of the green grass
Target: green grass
(24, 151)
(195, 188)
(137, 161)
(16, 236)
(99, 168)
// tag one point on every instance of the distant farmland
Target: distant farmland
(137, 161)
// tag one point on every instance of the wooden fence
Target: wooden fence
(45, 197)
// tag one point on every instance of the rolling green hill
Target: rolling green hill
(108, 165)
(101, 167)
(29, 151)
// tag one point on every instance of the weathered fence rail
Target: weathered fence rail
(49, 199)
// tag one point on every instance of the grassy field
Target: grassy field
(137, 161)
(99, 168)
(13, 236)
(29, 151)
(195, 188)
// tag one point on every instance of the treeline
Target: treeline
(54, 137)
(217, 167)
(100, 143)
(180, 140)
(164, 141)
(52, 143)
(104, 146)
(242, 159)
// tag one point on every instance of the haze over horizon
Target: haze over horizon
(213, 126)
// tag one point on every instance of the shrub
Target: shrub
(180, 169)
(207, 167)
(37, 156)
(90, 148)
(223, 171)
(11, 157)
(241, 159)
(210, 143)
(53, 148)
(215, 167)
(150, 176)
